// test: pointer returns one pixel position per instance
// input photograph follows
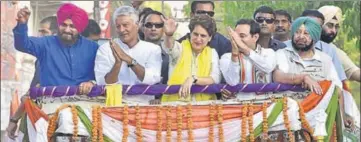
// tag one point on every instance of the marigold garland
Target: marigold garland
(95, 124)
(169, 124)
(265, 121)
(53, 121)
(159, 123)
(220, 121)
(190, 123)
(100, 124)
(75, 121)
(179, 123)
(286, 120)
(250, 122)
(244, 123)
(211, 127)
(125, 123)
(304, 121)
(138, 124)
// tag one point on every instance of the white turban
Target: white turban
(330, 11)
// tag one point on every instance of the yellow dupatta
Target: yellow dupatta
(183, 70)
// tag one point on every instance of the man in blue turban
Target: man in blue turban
(301, 63)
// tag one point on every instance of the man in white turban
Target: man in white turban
(333, 18)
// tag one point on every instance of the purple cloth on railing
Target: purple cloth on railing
(59, 91)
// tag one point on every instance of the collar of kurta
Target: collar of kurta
(316, 55)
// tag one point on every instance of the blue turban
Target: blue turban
(312, 27)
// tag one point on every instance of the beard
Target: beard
(328, 38)
(68, 38)
(303, 49)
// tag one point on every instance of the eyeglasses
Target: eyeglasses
(150, 25)
(261, 20)
(210, 13)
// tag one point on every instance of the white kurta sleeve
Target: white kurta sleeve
(153, 67)
(230, 69)
(215, 72)
(104, 62)
(281, 61)
(265, 62)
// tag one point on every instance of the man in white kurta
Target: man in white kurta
(128, 60)
(248, 62)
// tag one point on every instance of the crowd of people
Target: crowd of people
(271, 47)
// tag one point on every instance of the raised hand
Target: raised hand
(113, 47)
(170, 26)
(23, 15)
(236, 38)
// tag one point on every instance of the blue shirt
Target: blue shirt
(326, 48)
(59, 64)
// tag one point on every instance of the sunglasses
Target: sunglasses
(156, 25)
(210, 13)
(261, 20)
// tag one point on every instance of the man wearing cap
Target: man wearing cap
(302, 64)
(333, 17)
(66, 58)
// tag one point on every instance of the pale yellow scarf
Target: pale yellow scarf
(183, 70)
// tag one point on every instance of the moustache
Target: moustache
(280, 29)
(67, 34)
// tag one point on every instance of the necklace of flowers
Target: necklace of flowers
(244, 123)
(169, 124)
(53, 121)
(190, 123)
(125, 123)
(220, 121)
(211, 128)
(159, 123)
(250, 122)
(138, 124)
(286, 120)
(179, 123)
(265, 121)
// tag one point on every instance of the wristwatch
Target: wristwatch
(195, 79)
(133, 63)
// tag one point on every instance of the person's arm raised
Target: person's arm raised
(22, 42)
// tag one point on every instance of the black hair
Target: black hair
(92, 28)
(254, 26)
(284, 13)
(52, 20)
(264, 9)
(204, 21)
(150, 13)
(194, 5)
(145, 11)
(314, 13)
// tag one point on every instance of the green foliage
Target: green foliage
(157, 5)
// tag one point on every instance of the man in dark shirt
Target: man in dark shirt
(265, 17)
(218, 42)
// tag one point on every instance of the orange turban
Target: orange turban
(77, 15)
